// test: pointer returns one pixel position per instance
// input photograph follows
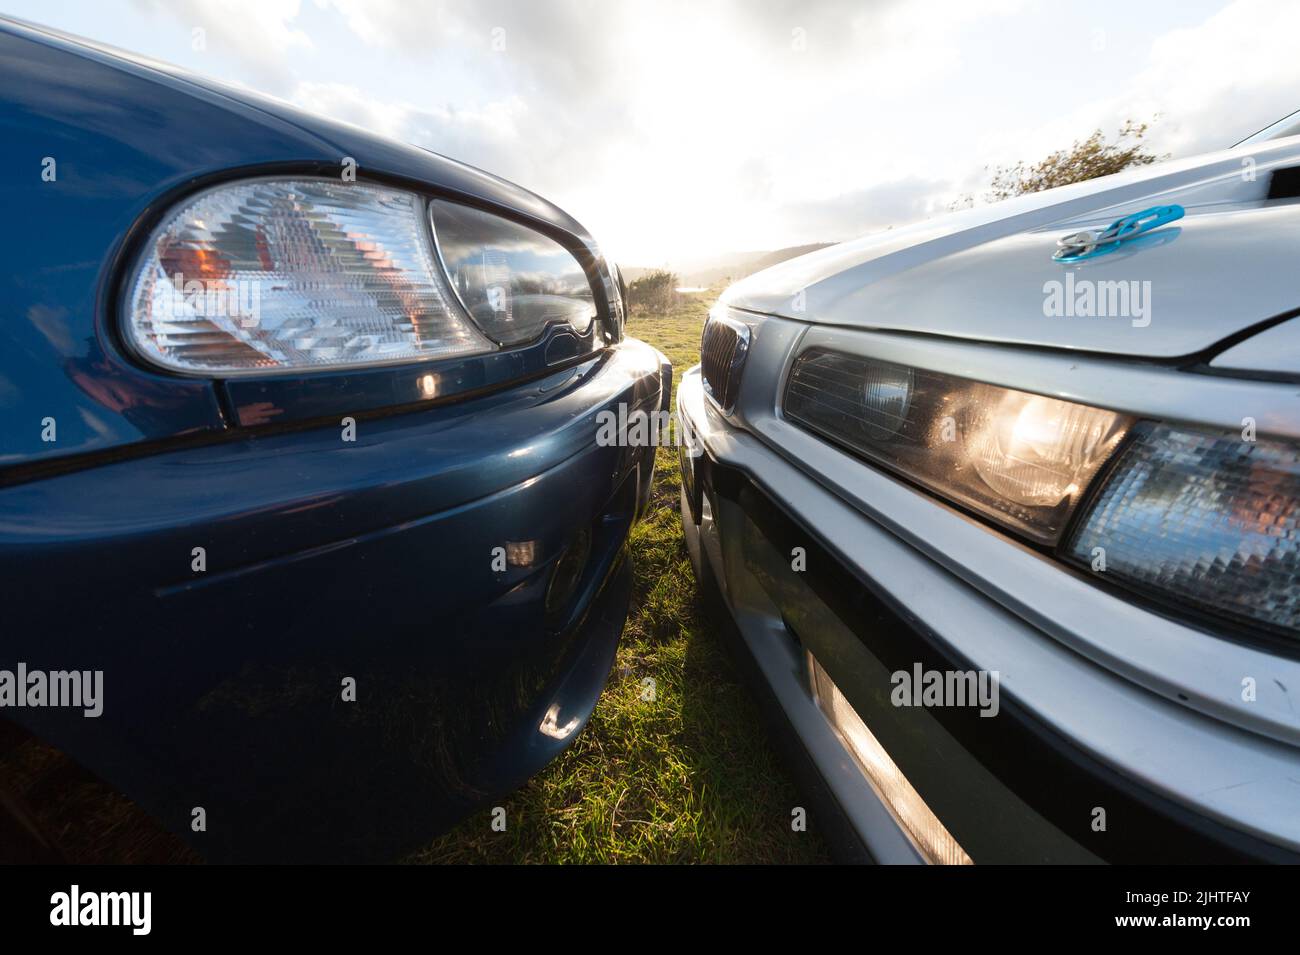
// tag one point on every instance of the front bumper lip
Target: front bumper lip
(329, 560)
(1212, 769)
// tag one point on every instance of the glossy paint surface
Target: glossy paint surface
(329, 561)
(326, 562)
(127, 137)
(986, 274)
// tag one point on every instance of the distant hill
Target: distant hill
(725, 269)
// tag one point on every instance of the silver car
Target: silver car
(1004, 507)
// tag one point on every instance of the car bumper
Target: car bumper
(1079, 765)
(409, 568)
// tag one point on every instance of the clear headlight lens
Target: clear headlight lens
(1022, 459)
(513, 281)
(1033, 450)
(1205, 520)
(274, 275)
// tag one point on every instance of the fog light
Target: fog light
(927, 833)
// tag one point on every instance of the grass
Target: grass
(687, 776)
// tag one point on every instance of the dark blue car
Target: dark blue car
(307, 544)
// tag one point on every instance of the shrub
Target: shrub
(653, 292)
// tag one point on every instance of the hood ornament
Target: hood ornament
(1091, 243)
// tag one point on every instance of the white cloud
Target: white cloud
(1208, 86)
(487, 136)
(1222, 80)
(678, 128)
(259, 33)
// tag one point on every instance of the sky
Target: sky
(681, 132)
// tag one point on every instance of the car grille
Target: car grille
(722, 358)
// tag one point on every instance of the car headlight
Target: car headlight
(1203, 520)
(512, 280)
(280, 275)
(1021, 459)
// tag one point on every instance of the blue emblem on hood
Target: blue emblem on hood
(1091, 243)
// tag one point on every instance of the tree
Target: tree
(1086, 159)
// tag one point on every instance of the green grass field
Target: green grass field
(686, 777)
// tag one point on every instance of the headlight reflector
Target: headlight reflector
(270, 275)
(1033, 450)
(1203, 519)
(1022, 459)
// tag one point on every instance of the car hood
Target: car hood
(988, 273)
